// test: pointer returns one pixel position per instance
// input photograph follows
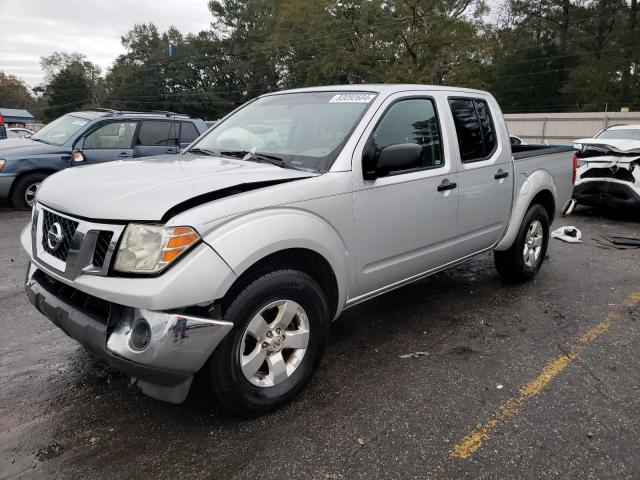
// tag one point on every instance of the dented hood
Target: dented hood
(147, 188)
(612, 144)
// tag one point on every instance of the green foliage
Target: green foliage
(535, 55)
(14, 93)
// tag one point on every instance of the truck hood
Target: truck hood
(613, 145)
(17, 148)
(148, 188)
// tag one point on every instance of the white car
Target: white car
(609, 168)
(19, 132)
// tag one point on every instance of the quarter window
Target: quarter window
(474, 127)
(412, 121)
(111, 135)
(188, 132)
(158, 133)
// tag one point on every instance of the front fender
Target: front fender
(246, 239)
(527, 187)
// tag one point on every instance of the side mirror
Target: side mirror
(379, 163)
(77, 156)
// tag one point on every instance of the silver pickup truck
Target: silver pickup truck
(232, 258)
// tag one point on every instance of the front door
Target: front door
(404, 221)
(110, 141)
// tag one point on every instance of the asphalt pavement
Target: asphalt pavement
(455, 376)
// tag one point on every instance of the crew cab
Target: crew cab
(232, 258)
(88, 137)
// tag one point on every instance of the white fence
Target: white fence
(564, 128)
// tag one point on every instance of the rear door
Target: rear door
(485, 177)
(109, 141)
(157, 137)
(405, 221)
(188, 133)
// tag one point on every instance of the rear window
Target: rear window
(158, 133)
(474, 128)
(621, 134)
(188, 132)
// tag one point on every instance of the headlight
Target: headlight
(151, 248)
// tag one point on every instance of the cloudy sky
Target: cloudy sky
(30, 29)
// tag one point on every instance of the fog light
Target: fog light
(140, 335)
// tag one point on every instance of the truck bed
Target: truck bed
(556, 160)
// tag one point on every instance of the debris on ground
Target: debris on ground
(623, 241)
(569, 209)
(52, 450)
(606, 242)
(361, 441)
(499, 386)
(414, 355)
(568, 234)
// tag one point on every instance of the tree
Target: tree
(14, 93)
(67, 91)
(71, 82)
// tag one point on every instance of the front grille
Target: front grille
(102, 245)
(68, 229)
(94, 307)
(619, 174)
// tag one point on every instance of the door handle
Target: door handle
(501, 174)
(124, 155)
(446, 185)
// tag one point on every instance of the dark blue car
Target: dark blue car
(83, 138)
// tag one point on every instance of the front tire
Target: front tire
(23, 195)
(521, 262)
(281, 326)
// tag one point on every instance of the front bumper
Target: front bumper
(178, 345)
(603, 193)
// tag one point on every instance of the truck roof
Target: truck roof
(379, 88)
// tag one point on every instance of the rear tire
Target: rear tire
(24, 190)
(266, 359)
(521, 262)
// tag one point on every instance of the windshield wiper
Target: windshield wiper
(204, 151)
(257, 157)
(40, 140)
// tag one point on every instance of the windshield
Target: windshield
(60, 130)
(621, 134)
(304, 130)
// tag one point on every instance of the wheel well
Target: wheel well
(29, 172)
(545, 198)
(302, 259)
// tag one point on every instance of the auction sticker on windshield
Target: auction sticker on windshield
(352, 98)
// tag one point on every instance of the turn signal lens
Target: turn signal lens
(1, 164)
(151, 248)
(183, 240)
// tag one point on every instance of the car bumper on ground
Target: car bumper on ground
(161, 350)
(607, 193)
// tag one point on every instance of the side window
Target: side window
(156, 133)
(188, 132)
(412, 121)
(474, 127)
(111, 135)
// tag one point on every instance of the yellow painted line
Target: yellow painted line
(474, 440)
(632, 299)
